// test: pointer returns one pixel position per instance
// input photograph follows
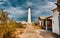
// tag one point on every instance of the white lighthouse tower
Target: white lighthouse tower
(29, 15)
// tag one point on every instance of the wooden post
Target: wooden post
(46, 24)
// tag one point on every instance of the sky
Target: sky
(18, 8)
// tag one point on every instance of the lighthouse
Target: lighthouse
(29, 15)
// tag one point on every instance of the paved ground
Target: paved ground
(30, 32)
(46, 34)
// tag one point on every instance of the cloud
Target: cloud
(16, 11)
(18, 8)
(28, 3)
(52, 0)
(42, 9)
(44, 6)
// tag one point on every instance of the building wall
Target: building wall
(59, 23)
(55, 22)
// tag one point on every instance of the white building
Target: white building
(29, 15)
(56, 21)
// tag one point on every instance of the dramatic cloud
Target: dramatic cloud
(52, 0)
(16, 13)
(18, 8)
(42, 8)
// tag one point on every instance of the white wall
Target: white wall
(55, 22)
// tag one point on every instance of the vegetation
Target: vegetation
(7, 26)
(37, 26)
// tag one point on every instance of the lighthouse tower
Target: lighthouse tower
(29, 15)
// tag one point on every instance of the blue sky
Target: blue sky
(18, 8)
